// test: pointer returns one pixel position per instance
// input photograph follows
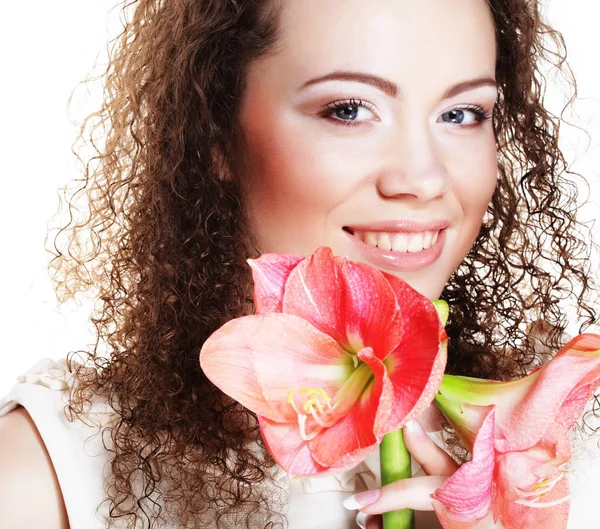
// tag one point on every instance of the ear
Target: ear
(220, 163)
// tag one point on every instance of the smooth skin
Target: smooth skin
(405, 154)
(30, 495)
(414, 493)
(416, 150)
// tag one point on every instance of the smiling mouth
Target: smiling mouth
(400, 242)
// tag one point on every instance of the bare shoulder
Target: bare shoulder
(30, 495)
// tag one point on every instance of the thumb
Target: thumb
(433, 460)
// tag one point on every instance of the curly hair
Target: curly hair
(161, 238)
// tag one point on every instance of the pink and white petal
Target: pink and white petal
(351, 460)
(520, 474)
(560, 389)
(412, 303)
(353, 437)
(289, 450)
(466, 497)
(447, 521)
(587, 344)
(258, 359)
(313, 292)
(270, 272)
(513, 515)
(372, 314)
(417, 365)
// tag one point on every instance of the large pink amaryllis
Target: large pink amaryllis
(338, 354)
(518, 434)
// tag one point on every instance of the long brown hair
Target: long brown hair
(163, 243)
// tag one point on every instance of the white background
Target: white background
(46, 48)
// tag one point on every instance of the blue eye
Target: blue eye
(460, 116)
(347, 111)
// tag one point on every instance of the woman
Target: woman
(235, 128)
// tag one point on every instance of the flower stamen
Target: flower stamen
(541, 488)
(536, 504)
(302, 425)
(545, 485)
(324, 410)
(317, 405)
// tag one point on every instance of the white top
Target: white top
(80, 461)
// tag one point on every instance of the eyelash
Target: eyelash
(480, 114)
(341, 104)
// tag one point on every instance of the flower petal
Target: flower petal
(526, 474)
(552, 510)
(372, 314)
(313, 293)
(416, 366)
(353, 437)
(258, 359)
(288, 449)
(270, 272)
(556, 398)
(351, 302)
(465, 418)
(466, 497)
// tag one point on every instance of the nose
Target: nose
(413, 166)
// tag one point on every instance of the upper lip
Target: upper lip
(401, 225)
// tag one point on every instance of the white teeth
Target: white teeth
(400, 242)
(384, 243)
(427, 237)
(370, 239)
(415, 244)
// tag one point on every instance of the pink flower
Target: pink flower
(518, 434)
(338, 355)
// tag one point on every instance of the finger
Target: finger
(430, 456)
(369, 521)
(410, 493)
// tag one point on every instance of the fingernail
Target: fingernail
(415, 427)
(361, 520)
(358, 501)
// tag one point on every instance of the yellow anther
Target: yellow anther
(316, 392)
(290, 397)
(309, 404)
(542, 484)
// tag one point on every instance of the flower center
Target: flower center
(316, 410)
(541, 488)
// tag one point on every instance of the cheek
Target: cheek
(292, 186)
(474, 177)
(475, 184)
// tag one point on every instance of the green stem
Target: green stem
(395, 465)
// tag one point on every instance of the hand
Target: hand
(413, 493)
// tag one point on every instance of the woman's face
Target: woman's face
(369, 131)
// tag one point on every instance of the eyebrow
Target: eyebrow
(390, 88)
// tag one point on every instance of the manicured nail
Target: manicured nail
(361, 520)
(415, 427)
(358, 501)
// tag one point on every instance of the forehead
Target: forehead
(435, 40)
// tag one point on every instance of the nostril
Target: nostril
(345, 228)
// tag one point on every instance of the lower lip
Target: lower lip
(403, 261)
